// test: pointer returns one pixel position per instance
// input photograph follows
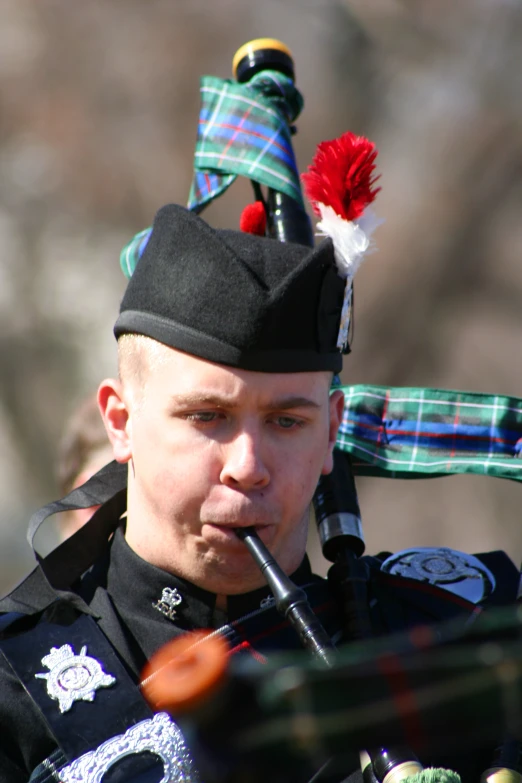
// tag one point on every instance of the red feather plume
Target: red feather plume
(341, 176)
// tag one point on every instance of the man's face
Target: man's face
(213, 448)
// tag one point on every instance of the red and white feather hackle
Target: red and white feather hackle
(340, 184)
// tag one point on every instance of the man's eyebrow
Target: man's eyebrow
(200, 398)
(279, 403)
(285, 403)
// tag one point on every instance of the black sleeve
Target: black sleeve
(24, 738)
(10, 772)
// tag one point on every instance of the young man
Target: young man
(221, 418)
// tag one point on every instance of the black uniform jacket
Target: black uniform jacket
(121, 592)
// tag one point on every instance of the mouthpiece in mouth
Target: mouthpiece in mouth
(244, 532)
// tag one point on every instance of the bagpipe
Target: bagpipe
(248, 723)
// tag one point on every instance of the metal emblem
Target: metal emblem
(170, 599)
(346, 313)
(267, 602)
(158, 735)
(73, 677)
(462, 574)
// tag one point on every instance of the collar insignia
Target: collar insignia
(170, 599)
(73, 677)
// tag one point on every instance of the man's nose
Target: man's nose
(243, 464)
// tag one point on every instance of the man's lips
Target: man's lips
(232, 525)
(227, 530)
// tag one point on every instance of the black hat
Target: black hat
(234, 298)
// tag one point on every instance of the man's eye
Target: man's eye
(287, 422)
(203, 417)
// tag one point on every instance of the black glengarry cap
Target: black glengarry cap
(236, 299)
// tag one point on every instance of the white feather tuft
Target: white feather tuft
(351, 238)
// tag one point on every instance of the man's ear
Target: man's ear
(115, 415)
(336, 415)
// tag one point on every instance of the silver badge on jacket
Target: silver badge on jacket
(73, 677)
(158, 735)
(464, 575)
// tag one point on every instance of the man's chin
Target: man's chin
(230, 569)
(238, 582)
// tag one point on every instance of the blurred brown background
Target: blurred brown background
(98, 113)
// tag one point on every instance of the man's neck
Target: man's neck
(221, 602)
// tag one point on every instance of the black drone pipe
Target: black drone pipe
(290, 600)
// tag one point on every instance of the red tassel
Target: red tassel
(253, 219)
(341, 176)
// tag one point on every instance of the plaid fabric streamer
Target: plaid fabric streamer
(418, 433)
(131, 253)
(244, 129)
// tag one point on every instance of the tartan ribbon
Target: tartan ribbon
(131, 253)
(244, 130)
(421, 432)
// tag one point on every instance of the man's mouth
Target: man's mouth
(258, 525)
(228, 530)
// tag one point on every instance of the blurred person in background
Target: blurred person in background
(83, 450)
